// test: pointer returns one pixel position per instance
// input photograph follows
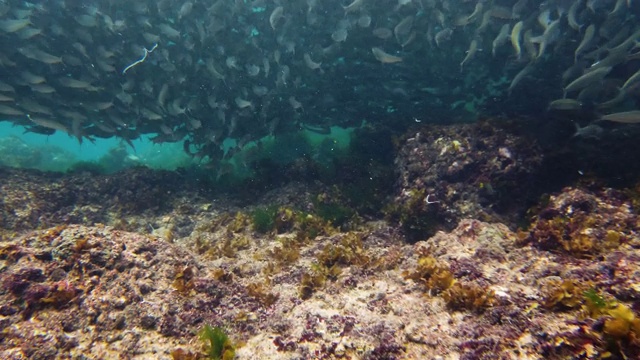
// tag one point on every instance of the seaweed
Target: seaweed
(310, 283)
(436, 277)
(349, 251)
(217, 343)
(567, 294)
(286, 254)
(264, 219)
(258, 291)
(468, 296)
(184, 281)
(332, 211)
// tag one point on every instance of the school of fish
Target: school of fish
(201, 71)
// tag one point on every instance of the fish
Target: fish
(615, 101)
(473, 48)
(620, 4)
(48, 123)
(169, 31)
(295, 104)
(252, 70)
(4, 87)
(28, 33)
(572, 15)
(565, 104)
(443, 35)
(86, 20)
(518, 8)
(476, 12)
(519, 77)
(30, 106)
(276, 16)
(310, 63)
(501, 12)
(14, 25)
(631, 81)
(76, 130)
(382, 33)
(485, 23)
(384, 57)
(364, 21)
(74, 83)
(626, 117)
(339, 35)
(515, 38)
(162, 95)
(549, 36)
(587, 41)
(39, 55)
(260, 90)
(591, 131)
(587, 79)
(185, 10)
(403, 29)
(242, 103)
(32, 79)
(353, 6)
(227, 69)
(8, 110)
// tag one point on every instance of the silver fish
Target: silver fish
(384, 57)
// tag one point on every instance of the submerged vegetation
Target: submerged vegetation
(217, 343)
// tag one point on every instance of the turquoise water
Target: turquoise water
(60, 152)
(86, 151)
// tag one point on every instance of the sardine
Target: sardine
(586, 80)
(586, 42)
(275, 16)
(501, 39)
(385, 58)
(13, 25)
(515, 38)
(48, 123)
(310, 63)
(627, 117)
(8, 110)
(473, 47)
(354, 6)
(565, 104)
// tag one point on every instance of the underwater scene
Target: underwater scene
(320, 179)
